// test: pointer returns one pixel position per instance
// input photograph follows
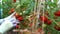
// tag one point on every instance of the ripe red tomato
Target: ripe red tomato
(14, 1)
(12, 10)
(57, 28)
(39, 29)
(30, 25)
(17, 26)
(57, 13)
(43, 18)
(20, 18)
(49, 22)
(17, 15)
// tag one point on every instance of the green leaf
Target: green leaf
(55, 1)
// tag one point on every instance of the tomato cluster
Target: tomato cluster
(19, 17)
(45, 20)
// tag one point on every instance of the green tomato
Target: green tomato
(44, 25)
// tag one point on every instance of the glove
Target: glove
(4, 27)
(7, 23)
(1, 21)
(10, 18)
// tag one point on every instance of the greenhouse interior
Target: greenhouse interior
(29, 16)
